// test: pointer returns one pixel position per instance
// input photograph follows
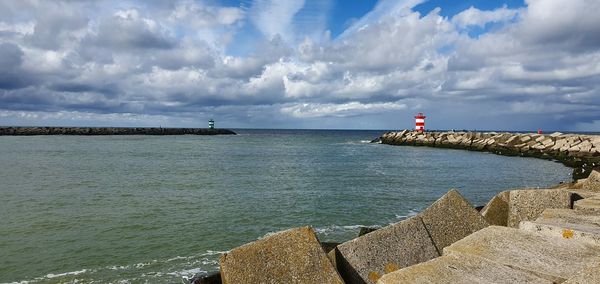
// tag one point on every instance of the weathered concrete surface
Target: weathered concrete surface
(574, 150)
(593, 181)
(26, 131)
(331, 256)
(495, 211)
(366, 258)
(457, 269)
(589, 204)
(528, 204)
(555, 259)
(570, 216)
(577, 232)
(579, 193)
(450, 219)
(292, 256)
(588, 275)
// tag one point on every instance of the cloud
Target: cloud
(274, 17)
(339, 110)
(476, 17)
(171, 63)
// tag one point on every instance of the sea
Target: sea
(161, 209)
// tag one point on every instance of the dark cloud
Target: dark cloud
(11, 58)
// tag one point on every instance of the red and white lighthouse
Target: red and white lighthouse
(420, 122)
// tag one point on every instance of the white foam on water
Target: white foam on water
(333, 229)
(411, 212)
(214, 252)
(52, 275)
(187, 273)
(55, 275)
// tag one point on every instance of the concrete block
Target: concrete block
(589, 204)
(528, 204)
(578, 232)
(590, 274)
(593, 181)
(291, 256)
(450, 219)
(331, 256)
(460, 269)
(551, 258)
(495, 211)
(367, 258)
(570, 216)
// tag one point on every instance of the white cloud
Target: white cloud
(540, 63)
(311, 110)
(476, 17)
(273, 17)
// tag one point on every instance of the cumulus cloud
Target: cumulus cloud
(172, 63)
(476, 17)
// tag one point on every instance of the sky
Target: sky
(318, 64)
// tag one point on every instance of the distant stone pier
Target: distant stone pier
(27, 131)
(574, 150)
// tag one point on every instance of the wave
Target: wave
(411, 212)
(181, 267)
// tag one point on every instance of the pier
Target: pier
(578, 151)
(28, 131)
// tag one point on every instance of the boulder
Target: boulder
(291, 256)
(495, 211)
(548, 257)
(460, 269)
(367, 258)
(528, 204)
(450, 219)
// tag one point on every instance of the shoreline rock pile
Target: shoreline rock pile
(520, 236)
(28, 131)
(574, 150)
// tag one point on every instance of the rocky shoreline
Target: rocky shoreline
(28, 131)
(520, 236)
(581, 152)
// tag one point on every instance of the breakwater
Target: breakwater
(25, 131)
(519, 236)
(581, 152)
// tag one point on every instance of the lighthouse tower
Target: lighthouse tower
(420, 122)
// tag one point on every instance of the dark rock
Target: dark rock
(328, 246)
(212, 278)
(365, 230)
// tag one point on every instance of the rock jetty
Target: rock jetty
(520, 236)
(27, 131)
(574, 150)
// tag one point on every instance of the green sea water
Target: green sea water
(160, 209)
